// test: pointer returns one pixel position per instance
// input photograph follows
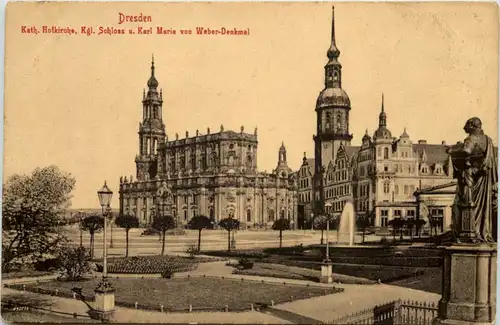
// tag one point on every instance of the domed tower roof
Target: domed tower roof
(282, 148)
(152, 82)
(382, 132)
(333, 96)
(405, 135)
(366, 137)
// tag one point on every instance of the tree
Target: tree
(410, 224)
(281, 224)
(229, 224)
(397, 224)
(127, 222)
(199, 223)
(320, 223)
(93, 223)
(162, 223)
(74, 262)
(419, 223)
(33, 212)
(362, 223)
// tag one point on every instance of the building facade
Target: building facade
(214, 174)
(380, 176)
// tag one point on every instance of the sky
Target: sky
(75, 100)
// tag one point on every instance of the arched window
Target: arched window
(271, 215)
(386, 153)
(396, 189)
(249, 215)
(328, 121)
(249, 161)
(339, 123)
(379, 152)
(193, 161)
(386, 187)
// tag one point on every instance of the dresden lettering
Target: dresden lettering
(122, 18)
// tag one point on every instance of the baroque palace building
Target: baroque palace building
(214, 174)
(381, 176)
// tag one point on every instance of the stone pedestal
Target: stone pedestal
(104, 306)
(469, 285)
(326, 273)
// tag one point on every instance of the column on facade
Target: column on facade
(138, 209)
(218, 204)
(263, 205)
(254, 212)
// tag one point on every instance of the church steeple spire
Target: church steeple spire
(382, 118)
(333, 74)
(333, 51)
(152, 82)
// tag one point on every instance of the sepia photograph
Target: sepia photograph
(250, 163)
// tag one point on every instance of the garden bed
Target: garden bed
(297, 273)
(178, 293)
(152, 264)
(371, 272)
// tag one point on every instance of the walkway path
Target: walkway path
(323, 308)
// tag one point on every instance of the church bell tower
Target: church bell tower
(332, 119)
(151, 130)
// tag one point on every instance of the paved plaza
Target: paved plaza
(211, 240)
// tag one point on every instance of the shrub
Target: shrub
(192, 250)
(167, 274)
(74, 262)
(245, 264)
(47, 265)
(150, 232)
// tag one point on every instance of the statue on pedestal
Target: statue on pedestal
(475, 167)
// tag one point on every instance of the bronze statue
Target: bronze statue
(475, 167)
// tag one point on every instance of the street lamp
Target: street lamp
(81, 227)
(326, 267)
(328, 205)
(312, 221)
(104, 293)
(112, 224)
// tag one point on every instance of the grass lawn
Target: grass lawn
(298, 273)
(25, 273)
(16, 317)
(178, 294)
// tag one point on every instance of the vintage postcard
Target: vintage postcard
(257, 163)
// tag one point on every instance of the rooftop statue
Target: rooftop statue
(475, 167)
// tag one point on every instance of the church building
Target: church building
(214, 174)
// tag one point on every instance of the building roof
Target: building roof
(436, 189)
(351, 150)
(434, 153)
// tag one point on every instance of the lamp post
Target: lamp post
(104, 293)
(81, 227)
(328, 205)
(326, 267)
(111, 235)
(312, 221)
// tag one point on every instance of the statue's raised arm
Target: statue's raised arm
(475, 168)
